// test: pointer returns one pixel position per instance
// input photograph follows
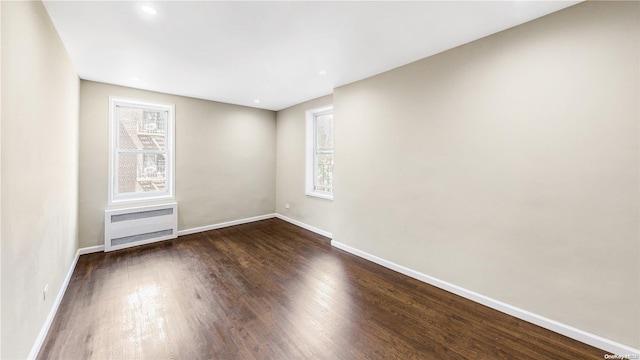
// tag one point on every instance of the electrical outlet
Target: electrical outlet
(286, 206)
(44, 292)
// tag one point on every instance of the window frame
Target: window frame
(114, 150)
(311, 158)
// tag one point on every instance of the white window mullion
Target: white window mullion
(135, 151)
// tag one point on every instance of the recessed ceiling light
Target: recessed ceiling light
(322, 72)
(256, 101)
(148, 9)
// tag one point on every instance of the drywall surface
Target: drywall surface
(508, 166)
(39, 171)
(0, 182)
(224, 159)
(290, 171)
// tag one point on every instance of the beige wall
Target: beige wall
(508, 166)
(0, 180)
(225, 159)
(39, 171)
(290, 170)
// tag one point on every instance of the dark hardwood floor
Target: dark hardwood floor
(271, 290)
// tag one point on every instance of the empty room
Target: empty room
(320, 180)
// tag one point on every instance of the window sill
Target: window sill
(320, 195)
(132, 200)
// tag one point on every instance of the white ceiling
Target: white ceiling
(237, 52)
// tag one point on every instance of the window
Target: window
(141, 148)
(319, 159)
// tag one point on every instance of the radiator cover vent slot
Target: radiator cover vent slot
(139, 225)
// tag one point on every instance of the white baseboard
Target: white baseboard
(225, 224)
(91, 249)
(305, 226)
(566, 330)
(54, 309)
(56, 304)
(252, 219)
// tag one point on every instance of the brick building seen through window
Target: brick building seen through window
(143, 131)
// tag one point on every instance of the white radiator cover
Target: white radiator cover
(135, 226)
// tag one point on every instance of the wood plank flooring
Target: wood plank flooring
(271, 290)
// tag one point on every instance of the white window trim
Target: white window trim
(309, 153)
(114, 197)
